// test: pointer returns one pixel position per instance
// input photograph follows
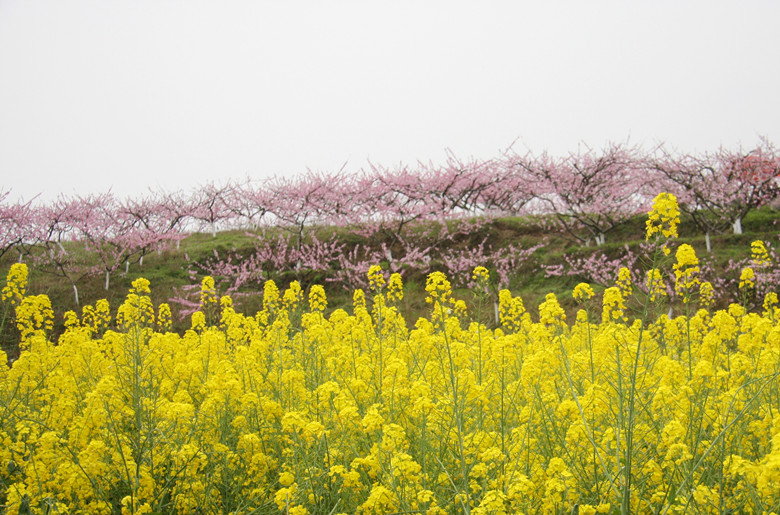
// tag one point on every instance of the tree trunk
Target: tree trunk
(108, 278)
(738, 226)
(141, 260)
(495, 311)
(127, 266)
(76, 293)
(707, 241)
(601, 239)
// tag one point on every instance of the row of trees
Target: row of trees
(585, 194)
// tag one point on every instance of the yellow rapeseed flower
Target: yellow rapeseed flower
(271, 298)
(510, 310)
(15, 284)
(747, 279)
(395, 288)
(624, 282)
(376, 281)
(141, 286)
(286, 478)
(208, 293)
(164, 318)
(770, 301)
(759, 253)
(198, 321)
(614, 307)
(583, 291)
(317, 299)
(655, 284)
(706, 294)
(686, 270)
(391, 417)
(358, 299)
(438, 288)
(33, 315)
(293, 296)
(551, 312)
(663, 217)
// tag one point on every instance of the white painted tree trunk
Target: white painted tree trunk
(178, 244)
(601, 239)
(708, 242)
(141, 260)
(108, 278)
(76, 293)
(495, 311)
(738, 226)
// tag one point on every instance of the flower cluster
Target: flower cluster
(747, 279)
(663, 217)
(511, 311)
(614, 306)
(656, 287)
(759, 254)
(583, 291)
(395, 288)
(480, 281)
(686, 271)
(16, 284)
(34, 316)
(376, 280)
(317, 299)
(623, 282)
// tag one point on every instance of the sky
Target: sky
(129, 96)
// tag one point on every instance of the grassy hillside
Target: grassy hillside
(168, 271)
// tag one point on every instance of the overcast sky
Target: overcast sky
(135, 94)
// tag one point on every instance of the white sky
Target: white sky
(170, 94)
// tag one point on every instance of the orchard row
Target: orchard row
(584, 195)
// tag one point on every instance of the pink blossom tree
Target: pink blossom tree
(106, 231)
(15, 220)
(152, 222)
(209, 205)
(390, 200)
(249, 202)
(311, 199)
(75, 237)
(718, 189)
(507, 189)
(172, 212)
(53, 246)
(456, 187)
(589, 193)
